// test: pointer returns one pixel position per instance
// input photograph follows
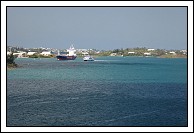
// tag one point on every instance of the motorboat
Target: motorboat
(88, 58)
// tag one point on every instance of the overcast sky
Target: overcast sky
(103, 28)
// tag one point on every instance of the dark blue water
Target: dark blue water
(111, 91)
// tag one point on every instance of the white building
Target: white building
(20, 54)
(172, 52)
(151, 49)
(46, 53)
(31, 53)
(147, 54)
(131, 52)
(81, 50)
(8, 53)
(113, 54)
(184, 51)
(85, 53)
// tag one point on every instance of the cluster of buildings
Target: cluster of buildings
(151, 52)
(24, 52)
(85, 52)
(21, 54)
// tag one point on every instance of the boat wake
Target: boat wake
(106, 60)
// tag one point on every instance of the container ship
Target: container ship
(69, 56)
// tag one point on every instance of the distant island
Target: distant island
(41, 52)
(19, 52)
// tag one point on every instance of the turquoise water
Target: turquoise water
(111, 91)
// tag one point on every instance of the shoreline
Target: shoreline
(169, 57)
(12, 66)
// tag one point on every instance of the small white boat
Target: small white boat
(88, 58)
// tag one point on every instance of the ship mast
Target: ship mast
(71, 47)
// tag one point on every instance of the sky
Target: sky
(102, 28)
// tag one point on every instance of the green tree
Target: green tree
(10, 60)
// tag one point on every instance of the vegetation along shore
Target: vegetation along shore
(52, 52)
(10, 62)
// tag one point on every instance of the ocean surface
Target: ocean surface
(110, 91)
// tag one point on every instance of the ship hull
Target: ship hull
(60, 57)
